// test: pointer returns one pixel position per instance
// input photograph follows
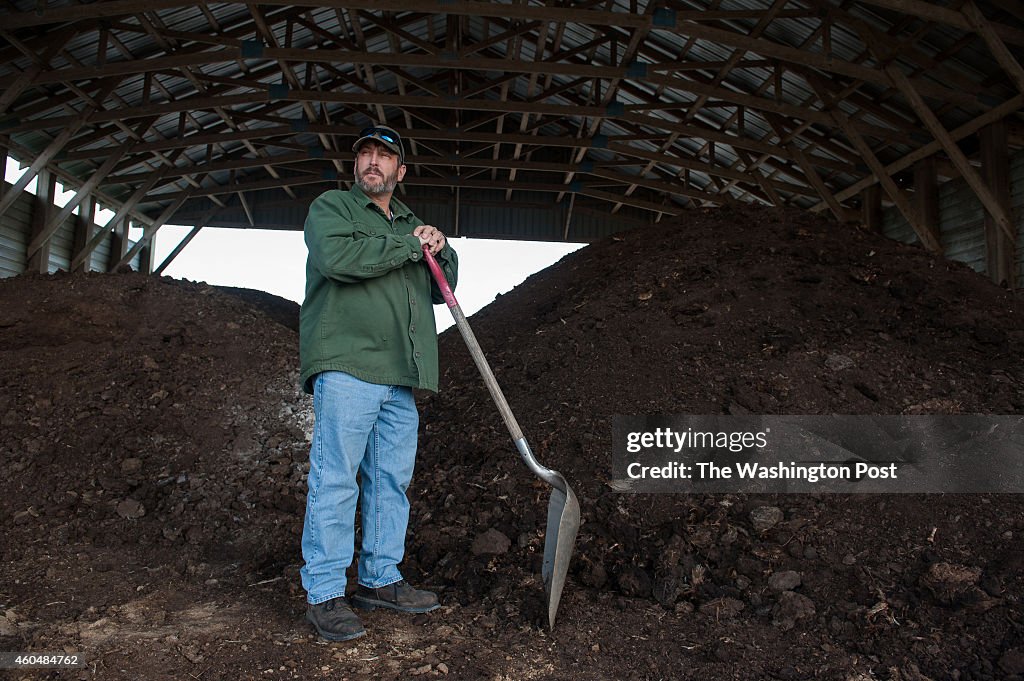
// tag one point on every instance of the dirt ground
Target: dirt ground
(154, 447)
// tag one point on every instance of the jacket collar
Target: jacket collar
(398, 209)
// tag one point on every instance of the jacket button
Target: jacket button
(417, 353)
(412, 328)
(412, 301)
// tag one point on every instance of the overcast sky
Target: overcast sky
(275, 261)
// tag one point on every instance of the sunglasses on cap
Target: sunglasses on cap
(382, 133)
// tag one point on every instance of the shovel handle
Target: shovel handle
(442, 282)
(474, 347)
(551, 477)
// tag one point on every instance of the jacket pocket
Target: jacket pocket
(362, 230)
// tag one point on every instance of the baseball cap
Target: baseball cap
(384, 135)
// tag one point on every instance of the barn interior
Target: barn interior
(792, 207)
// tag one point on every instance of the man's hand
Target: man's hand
(431, 236)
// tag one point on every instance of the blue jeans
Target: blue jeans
(371, 429)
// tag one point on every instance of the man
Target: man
(367, 337)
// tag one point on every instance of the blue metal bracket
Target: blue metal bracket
(636, 69)
(664, 18)
(252, 49)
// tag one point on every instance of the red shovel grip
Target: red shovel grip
(442, 283)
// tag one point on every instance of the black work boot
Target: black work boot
(334, 620)
(398, 596)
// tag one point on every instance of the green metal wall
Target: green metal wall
(962, 221)
(15, 231)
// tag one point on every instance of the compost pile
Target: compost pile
(155, 442)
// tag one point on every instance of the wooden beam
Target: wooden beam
(670, 188)
(568, 217)
(944, 15)
(926, 195)
(54, 147)
(764, 19)
(150, 231)
(69, 180)
(246, 208)
(871, 208)
(84, 224)
(42, 208)
(666, 208)
(672, 160)
(269, 163)
(940, 133)
(895, 42)
(998, 113)
(55, 43)
(126, 210)
(19, 84)
(37, 166)
(417, 100)
(178, 249)
(620, 147)
(202, 102)
(651, 71)
(995, 166)
(121, 251)
(983, 28)
(807, 167)
(146, 255)
(118, 244)
(201, 139)
(602, 170)
(131, 67)
(812, 176)
(751, 167)
(822, 62)
(928, 240)
(115, 8)
(703, 132)
(454, 181)
(85, 190)
(4, 155)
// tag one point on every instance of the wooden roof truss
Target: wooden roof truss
(165, 110)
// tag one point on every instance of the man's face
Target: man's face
(377, 169)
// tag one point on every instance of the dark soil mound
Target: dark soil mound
(738, 311)
(152, 439)
(281, 310)
(154, 444)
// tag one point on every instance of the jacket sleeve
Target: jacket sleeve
(448, 259)
(344, 253)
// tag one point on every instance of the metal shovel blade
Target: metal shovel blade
(559, 539)
(560, 535)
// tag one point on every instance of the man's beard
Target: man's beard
(384, 186)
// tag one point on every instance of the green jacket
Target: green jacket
(368, 309)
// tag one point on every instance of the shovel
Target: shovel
(563, 508)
